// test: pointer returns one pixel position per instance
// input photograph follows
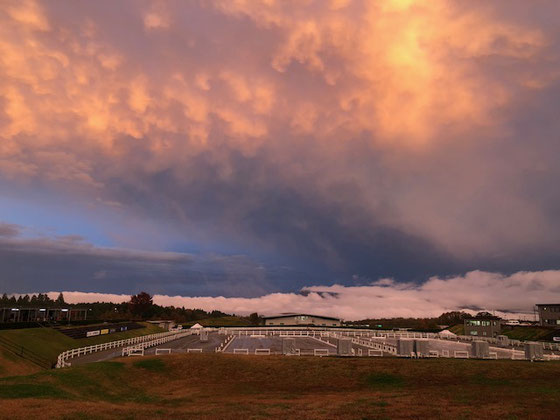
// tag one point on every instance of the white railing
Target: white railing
(461, 354)
(264, 352)
(320, 352)
(375, 353)
(162, 351)
(136, 351)
(194, 350)
(240, 351)
(62, 360)
(155, 342)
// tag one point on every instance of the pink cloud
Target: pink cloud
(507, 295)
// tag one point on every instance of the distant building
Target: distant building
(549, 314)
(302, 320)
(26, 314)
(483, 326)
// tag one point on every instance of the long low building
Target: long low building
(293, 319)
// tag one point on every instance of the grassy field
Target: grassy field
(49, 343)
(11, 365)
(255, 387)
(458, 329)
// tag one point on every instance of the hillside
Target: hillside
(227, 386)
(11, 365)
(49, 343)
(528, 333)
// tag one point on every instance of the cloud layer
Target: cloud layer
(509, 296)
(399, 138)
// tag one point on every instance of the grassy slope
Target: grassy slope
(11, 365)
(526, 333)
(458, 329)
(227, 386)
(49, 343)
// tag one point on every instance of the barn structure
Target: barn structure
(294, 319)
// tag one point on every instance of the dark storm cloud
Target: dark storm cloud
(347, 141)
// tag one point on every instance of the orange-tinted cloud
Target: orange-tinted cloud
(302, 84)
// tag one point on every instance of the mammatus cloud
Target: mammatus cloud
(511, 295)
(396, 138)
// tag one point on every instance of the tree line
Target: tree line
(139, 307)
(41, 299)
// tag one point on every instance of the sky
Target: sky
(352, 157)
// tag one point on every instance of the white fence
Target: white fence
(262, 352)
(240, 351)
(162, 351)
(320, 352)
(194, 350)
(155, 342)
(62, 360)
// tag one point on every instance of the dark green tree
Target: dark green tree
(141, 305)
(60, 299)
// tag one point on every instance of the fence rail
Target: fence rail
(62, 360)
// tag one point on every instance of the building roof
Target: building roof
(289, 315)
(485, 317)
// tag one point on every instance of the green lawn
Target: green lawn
(526, 333)
(458, 329)
(49, 343)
